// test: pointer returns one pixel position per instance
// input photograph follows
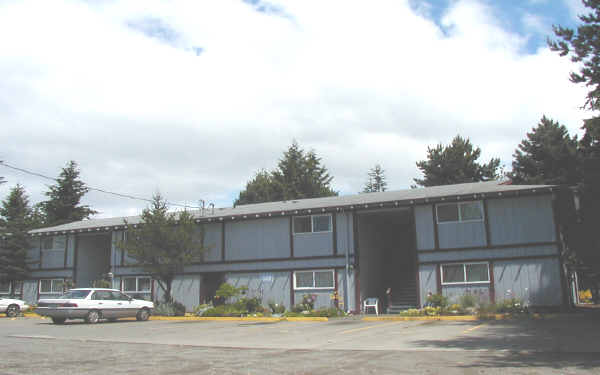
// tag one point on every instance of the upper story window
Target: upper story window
(465, 273)
(312, 224)
(48, 243)
(51, 286)
(459, 212)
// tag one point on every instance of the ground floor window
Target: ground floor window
(5, 287)
(51, 286)
(318, 279)
(463, 273)
(138, 286)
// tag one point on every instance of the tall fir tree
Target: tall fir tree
(377, 180)
(299, 175)
(15, 214)
(65, 196)
(547, 156)
(455, 164)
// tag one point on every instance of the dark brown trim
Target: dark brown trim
(122, 250)
(335, 287)
(561, 270)
(416, 255)
(438, 277)
(436, 235)
(258, 270)
(151, 289)
(334, 231)
(355, 231)
(66, 249)
(358, 306)
(75, 256)
(486, 222)
(292, 296)
(37, 290)
(223, 241)
(291, 237)
(41, 252)
(490, 259)
(54, 269)
(492, 282)
(495, 247)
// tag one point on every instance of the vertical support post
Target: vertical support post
(492, 284)
(66, 250)
(438, 276)
(486, 222)
(334, 232)
(416, 255)
(559, 241)
(223, 241)
(291, 236)
(292, 302)
(75, 256)
(436, 235)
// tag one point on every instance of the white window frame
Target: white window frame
(51, 286)
(458, 204)
(137, 284)
(313, 278)
(464, 265)
(312, 224)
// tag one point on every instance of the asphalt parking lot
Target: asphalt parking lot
(564, 345)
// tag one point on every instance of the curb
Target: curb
(219, 318)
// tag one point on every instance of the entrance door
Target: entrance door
(209, 284)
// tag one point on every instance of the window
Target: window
(136, 284)
(464, 273)
(314, 279)
(5, 287)
(48, 243)
(459, 212)
(312, 224)
(51, 286)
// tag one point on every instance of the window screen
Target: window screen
(45, 286)
(302, 224)
(144, 284)
(470, 211)
(129, 284)
(477, 272)
(304, 279)
(453, 273)
(321, 223)
(324, 279)
(57, 286)
(447, 212)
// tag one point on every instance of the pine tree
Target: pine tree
(377, 181)
(16, 218)
(164, 243)
(547, 156)
(65, 196)
(454, 164)
(298, 175)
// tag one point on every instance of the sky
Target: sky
(192, 98)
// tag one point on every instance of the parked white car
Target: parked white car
(93, 304)
(11, 306)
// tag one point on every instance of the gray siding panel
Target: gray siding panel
(30, 289)
(269, 286)
(536, 282)
(33, 253)
(427, 281)
(424, 227)
(454, 292)
(452, 235)
(523, 251)
(313, 244)
(323, 297)
(186, 290)
(521, 220)
(345, 233)
(257, 239)
(71, 250)
(212, 242)
(52, 274)
(55, 257)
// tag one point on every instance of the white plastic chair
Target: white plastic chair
(371, 302)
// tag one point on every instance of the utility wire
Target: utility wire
(92, 188)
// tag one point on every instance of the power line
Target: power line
(92, 188)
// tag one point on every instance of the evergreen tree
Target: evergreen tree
(454, 164)
(298, 175)
(16, 219)
(547, 156)
(376, 180)
(163, 243)
(65, 196)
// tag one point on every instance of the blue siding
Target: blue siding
(212, 242)
(51, 274)
(33, 253)
(71, 250)
(345, 233)
(186, 290)
(424, 227)
(30, 289)
(521, 220)
(257, 239)
(536, 282)
(269, 286)
(55, 257)
(427, 281)
(469, 234)
(313, 244)
(449, 256)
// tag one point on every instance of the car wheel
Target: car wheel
(92, 317)
(58, 320)
(12, 311)
(143, 315)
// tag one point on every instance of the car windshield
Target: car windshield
(75, 294)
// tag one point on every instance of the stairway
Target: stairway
(404, 296)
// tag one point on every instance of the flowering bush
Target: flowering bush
(585, 296)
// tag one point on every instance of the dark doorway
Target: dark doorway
(209, 283)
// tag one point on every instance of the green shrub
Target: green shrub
(412, 312)
(227, 291)
(224, 310)
(438, 300)
(277, 308)
(198, 310)
(250, 304)
(511, 306)
(179, 308)
(467, 300)
(164, 309)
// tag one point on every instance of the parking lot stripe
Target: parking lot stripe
(472, 328)
(369, 327)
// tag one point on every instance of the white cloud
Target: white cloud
(576, 8)
(361, 84)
